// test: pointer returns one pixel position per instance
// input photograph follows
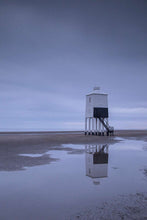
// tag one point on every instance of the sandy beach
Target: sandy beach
(123, 207)
(20, 151)
(14, 143)
(72, 137)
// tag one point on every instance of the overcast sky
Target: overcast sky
(53, 52)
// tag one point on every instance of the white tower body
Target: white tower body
(96, 115)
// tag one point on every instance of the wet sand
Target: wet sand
(58, 138)
(133, 206)
(13, 144)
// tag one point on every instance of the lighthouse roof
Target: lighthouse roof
(96, 91)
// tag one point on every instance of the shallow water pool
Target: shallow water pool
(78, 177)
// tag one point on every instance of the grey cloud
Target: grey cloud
(53, 52)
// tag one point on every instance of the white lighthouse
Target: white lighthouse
(96, 115)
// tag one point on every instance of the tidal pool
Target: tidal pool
(78, 177)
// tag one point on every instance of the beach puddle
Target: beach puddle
(71, 178)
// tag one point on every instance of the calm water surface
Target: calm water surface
(82, 178)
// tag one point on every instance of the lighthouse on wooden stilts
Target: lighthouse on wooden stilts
(96, 116)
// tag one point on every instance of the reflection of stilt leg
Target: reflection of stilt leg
(85, 126)
(89, 126)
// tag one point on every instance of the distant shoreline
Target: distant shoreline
(74, 131)
(52, 138)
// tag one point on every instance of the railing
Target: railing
(106, 125)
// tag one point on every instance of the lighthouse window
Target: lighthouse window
(89, 99)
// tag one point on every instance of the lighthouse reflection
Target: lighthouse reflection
(96, 161)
